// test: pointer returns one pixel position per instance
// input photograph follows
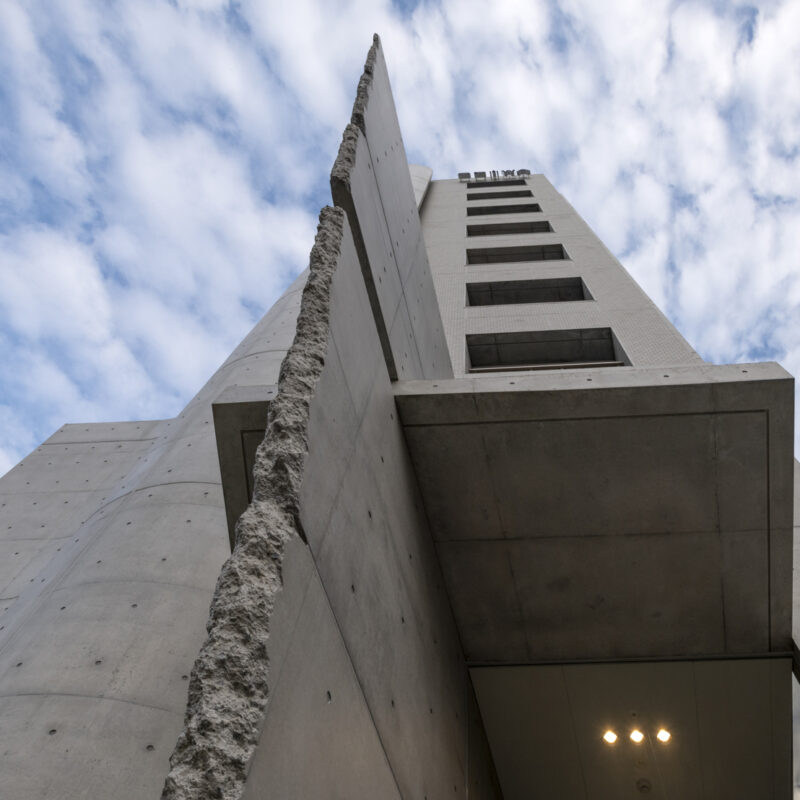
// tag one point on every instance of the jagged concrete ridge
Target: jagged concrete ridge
(346, 157)
(228, 690)
(364, 84)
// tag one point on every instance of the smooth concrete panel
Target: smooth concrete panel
(404, 344)
(518, 747)
(390, 165)
(483, 780)
(644, 332)
(95, 743)
(396, 624)
(371, 182)
(728, 720)
(105, 649)
(594, 476)
(318, 738)
(44, 516)
(332, 433)
(352, 328)
(360, 198)
(111, 639)
(149, 555)
(364, 520)
(693, 470)
(747, 721)
(594, 597)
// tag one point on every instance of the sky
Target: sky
(162, 166)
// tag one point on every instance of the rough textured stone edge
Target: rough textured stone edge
(364, 84)
(229, 685)
(346, 157)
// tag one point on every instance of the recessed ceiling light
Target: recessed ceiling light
(663, 735)
(610, 737)
(637, 736)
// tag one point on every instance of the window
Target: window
(503, 255)
(513, 208)
(492, 182)
(499, 195)
(544, 290)
(531, 350)
(501, 228)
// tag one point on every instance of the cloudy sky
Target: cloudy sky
(162, 165)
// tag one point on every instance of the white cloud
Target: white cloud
(162, 165)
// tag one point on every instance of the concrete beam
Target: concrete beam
(568, 508)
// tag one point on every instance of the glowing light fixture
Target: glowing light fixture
(610, 737)
(663, 735)
(637, 736)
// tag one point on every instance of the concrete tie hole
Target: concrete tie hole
(51, 732)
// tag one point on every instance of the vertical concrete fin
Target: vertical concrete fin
(229, 688)
(371, 181)
(343, 197)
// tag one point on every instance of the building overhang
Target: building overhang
(610, 514)
(617, 550)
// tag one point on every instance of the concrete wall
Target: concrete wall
(114, 536)
(111, 540)
(644, 333)
(332, 667)
(370, 181)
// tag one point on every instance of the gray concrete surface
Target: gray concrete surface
(729, 722)
(360, 614)
(370, 180)
(566, 518)
(644, 334)
(112, 536)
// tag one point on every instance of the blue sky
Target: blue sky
(162, 165)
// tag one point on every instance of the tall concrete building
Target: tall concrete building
(507, 535)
